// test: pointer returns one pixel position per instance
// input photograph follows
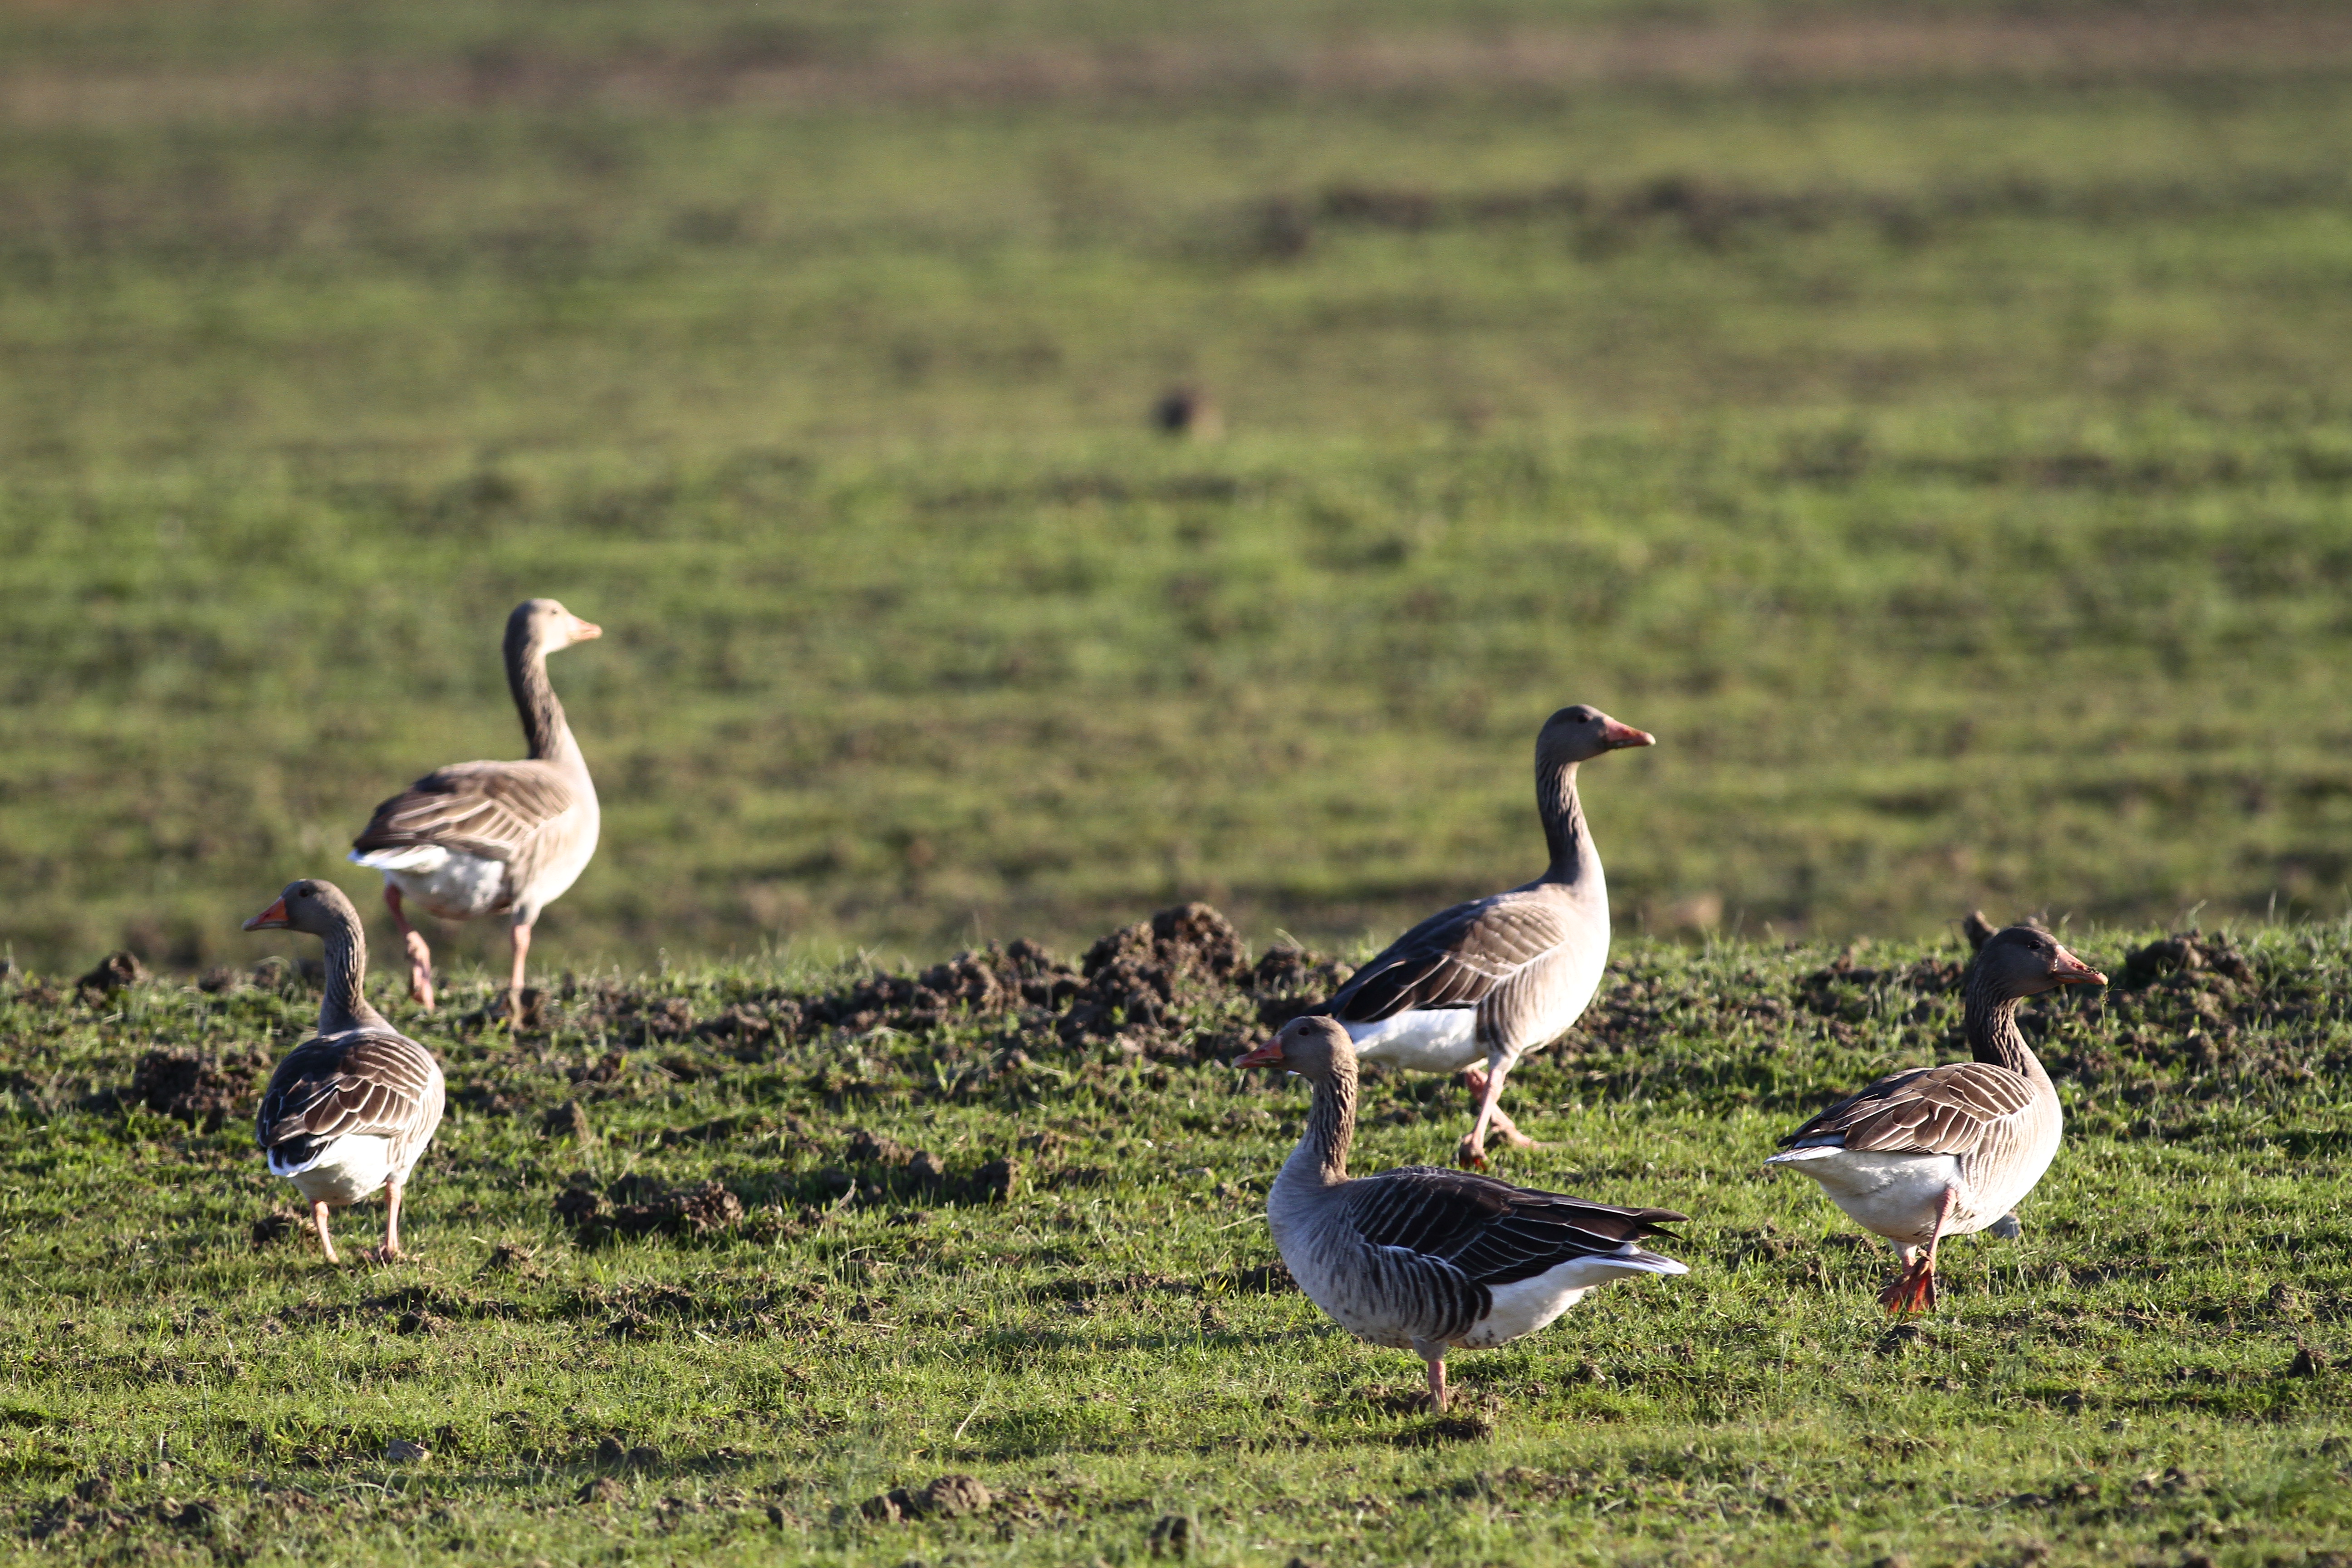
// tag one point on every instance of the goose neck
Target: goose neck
(1321, 1158)
(345, 1005)
(1990, 1020)
(543, 724)
(1573, 859)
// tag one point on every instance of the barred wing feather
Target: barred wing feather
(1930, 1110)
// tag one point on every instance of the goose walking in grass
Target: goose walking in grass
(1948, 1151)
(494, 838)
(1426, 1258)
(1489, 981)
(351, 1109)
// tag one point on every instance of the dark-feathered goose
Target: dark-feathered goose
(1426, 1258)
(486, 839)
(1494, 979)
(1948, 1151)
(350, 1110)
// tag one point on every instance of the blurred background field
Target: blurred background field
(1935, 422)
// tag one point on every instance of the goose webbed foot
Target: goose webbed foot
(1914, 1291)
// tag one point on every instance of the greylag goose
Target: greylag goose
(486, 839)
(350, 1110)
(1427, 1259)
(1948, 1151)
(1498, 977)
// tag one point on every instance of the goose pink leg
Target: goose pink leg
(1436, 1360)
(318, 1219)
(420, 957)
(1914, 1289)
(514, 984)
(1488, 1087)
(390, 1251)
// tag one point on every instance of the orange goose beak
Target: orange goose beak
(1268, 1055)
(1617, 737)
(585, 631)
(271, 919)
(2069, 970)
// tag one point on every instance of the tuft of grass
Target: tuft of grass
(2153, 1372)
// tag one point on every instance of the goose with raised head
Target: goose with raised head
(350, 1110)
(1428, 1258)
(494, 838)
(1488, 981)
(1949, 1151)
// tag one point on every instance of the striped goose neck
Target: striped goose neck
(1990, 1020)
(1565, 835)
(543, 724)
(1321, 1157)
(345, 1006)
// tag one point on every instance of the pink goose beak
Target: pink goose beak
(1268, 1055)
(2069, 970)
(271, 919)
(1617, 737)
(585, 631)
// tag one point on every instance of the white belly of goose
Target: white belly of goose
(453, 885)
(1429, 1039)
(1896, 1196)
(347, 1170)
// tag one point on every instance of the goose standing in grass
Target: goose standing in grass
(351, 1109)
(1427, 1259)
(1494, 979)
(486, 839)
(1948, 1151)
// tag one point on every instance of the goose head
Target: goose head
(319, 908)
(1580, 732)
(2026, 960)
(541, 627)
(1313, 1047)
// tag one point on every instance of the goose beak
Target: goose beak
(1616, 737)
(271, 919)
(1268, 1055)
(2068, 970)
(585, 631)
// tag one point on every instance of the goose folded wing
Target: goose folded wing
(1456, 958)
(1492, 1232)
(380, 1085)
(489, 809)
(1930, 1111)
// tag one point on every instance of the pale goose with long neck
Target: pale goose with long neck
(1948, 1151)
(1427, 1259)
(350, 1110)
(1498, 977)
(488, 838)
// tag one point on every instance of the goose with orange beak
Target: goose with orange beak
(494, 838)
(350, 1110)
(1474, 988)
(1426, 1258)
(1948, 1151)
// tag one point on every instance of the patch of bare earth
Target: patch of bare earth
(1802, 47)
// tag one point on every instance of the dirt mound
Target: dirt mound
(2189, 952)
(114, 972)
(634, 1207)
(1139, 977)
(993, 980)
(194, 1088)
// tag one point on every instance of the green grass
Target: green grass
(2114, 1387)
(1950, 466)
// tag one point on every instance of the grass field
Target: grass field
(1021, 1240)
(1934, 424)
